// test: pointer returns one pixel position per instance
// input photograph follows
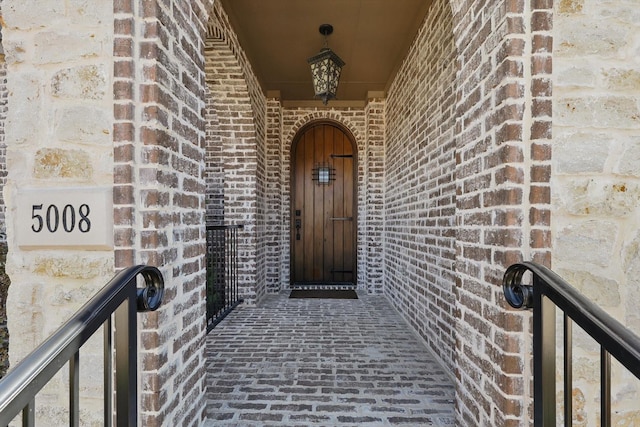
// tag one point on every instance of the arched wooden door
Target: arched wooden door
(323, 216)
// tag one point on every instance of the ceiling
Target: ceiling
(371, 36)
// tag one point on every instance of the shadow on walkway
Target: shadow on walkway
(308, 362)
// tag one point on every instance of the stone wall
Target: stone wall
(596, 180)
(58, 134)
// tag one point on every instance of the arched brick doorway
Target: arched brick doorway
(323, 207)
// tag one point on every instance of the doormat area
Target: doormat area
(324, 293)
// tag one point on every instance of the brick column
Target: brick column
(275, 234)
(159, 196)
(502, 180)
(372, 216)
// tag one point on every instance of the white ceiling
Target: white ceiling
(371, 36)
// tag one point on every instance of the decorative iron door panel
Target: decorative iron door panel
(323, 218)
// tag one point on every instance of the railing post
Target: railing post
(126, 362)
(544, 358)
(74, 390)
(605, 388)
(108, 371)
(29, 414)
(568, 371)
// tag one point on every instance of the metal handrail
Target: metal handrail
(546, 292)
(120, 298)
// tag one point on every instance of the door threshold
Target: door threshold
(323, 286)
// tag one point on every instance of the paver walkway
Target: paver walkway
(319, 362)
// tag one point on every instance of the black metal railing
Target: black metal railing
(546, 292)
(113, 306)
(222, 272)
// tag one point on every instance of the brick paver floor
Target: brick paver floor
(319, 362)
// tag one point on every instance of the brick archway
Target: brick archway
(326, 115)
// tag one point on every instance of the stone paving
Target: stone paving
(320, 362)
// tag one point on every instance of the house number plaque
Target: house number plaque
(65, 218)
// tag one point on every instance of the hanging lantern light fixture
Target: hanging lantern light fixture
(325, 68)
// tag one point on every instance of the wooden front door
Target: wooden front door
(323, 223)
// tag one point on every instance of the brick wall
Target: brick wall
(372, 212)
(214, 170)
(454, 171)
(240, 110)
(596, 181)
(159, 195)
(419, 212)
(275, 234)
(502, 206)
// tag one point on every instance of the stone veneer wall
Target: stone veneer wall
(58, 133)
(596, 181)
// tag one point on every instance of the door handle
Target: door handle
(298, 227)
